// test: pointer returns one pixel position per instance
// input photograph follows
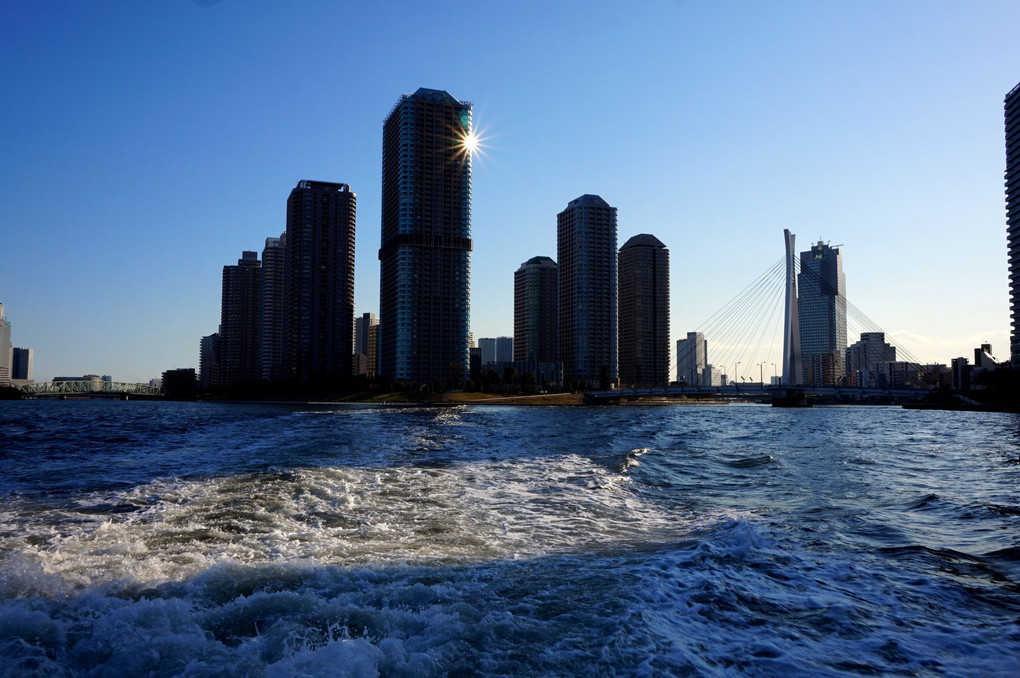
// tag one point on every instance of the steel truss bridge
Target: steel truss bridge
(89, 389)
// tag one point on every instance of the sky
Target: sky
(143, 146)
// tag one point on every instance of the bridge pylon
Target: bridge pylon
(792, 362)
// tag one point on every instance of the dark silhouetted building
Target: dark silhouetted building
(535, 311)
(644, 312)
(273, 306)
(21, 363)
(318, 282)
(373, 350)
(1012, 106)
(240, 307)
(426, 239)
(180, 384)
(586, 250)
(209, 361)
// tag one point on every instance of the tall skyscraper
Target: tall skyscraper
(239, 321)
(318, 282)
(273, 305)
(692, 360)
(644, 312)
(426, 239)
(6, 350)
(586, 250)
(1012, 106)
(821, 311)
(535, 311)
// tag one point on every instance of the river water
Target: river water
(199, 539)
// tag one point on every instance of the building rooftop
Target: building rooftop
(589, 200)
(539, 261)
(643, 240)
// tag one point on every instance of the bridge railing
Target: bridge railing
(89, 386)
(751, 390)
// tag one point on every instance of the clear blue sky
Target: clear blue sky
(144, 145)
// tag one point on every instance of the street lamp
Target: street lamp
(736, 370)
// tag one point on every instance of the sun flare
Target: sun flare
(471, 142)
(468, 144)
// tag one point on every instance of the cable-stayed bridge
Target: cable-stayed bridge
(753, 344)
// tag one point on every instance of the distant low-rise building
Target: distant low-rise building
(692, 359)
(961, 374)
(863, 358)
(548, 375)
(896, 374)
(496, 350)
(180, 384)
(984, 365)
(711, 377)
(22, 364)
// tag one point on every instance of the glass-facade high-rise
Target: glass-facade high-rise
(821, 311)
(425, 253)
(644, 312)
(586, 250)
(318, 282)
(1012, 116)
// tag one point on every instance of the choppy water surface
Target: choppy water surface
(171, 539)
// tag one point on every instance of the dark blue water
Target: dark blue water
(164, 539)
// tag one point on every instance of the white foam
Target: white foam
(467, 512)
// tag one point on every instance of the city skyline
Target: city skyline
(167, 131)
